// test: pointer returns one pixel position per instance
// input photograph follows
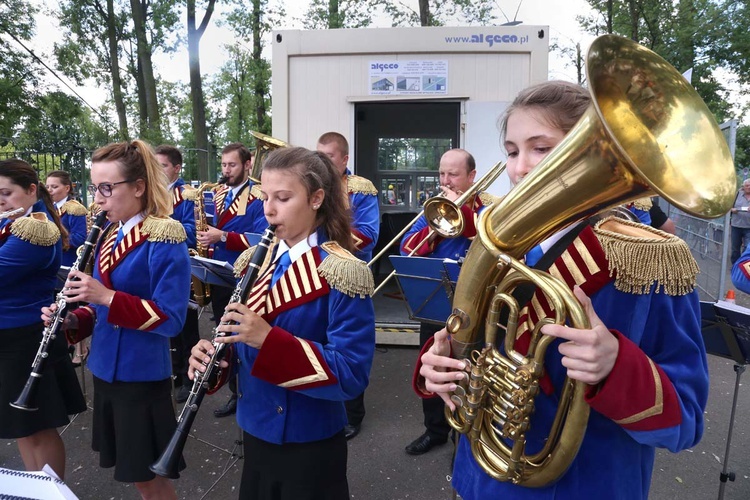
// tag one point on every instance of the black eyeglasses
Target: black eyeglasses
(105, 188)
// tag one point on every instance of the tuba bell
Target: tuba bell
(647, 132)
(264, 145)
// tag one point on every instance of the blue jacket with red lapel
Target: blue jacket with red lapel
(73, 217)
(183, 211)
(244, 215)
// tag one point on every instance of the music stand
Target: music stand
(726, 332)
(427, 284)
(213, 272)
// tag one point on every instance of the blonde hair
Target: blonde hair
(137, 161)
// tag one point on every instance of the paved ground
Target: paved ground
(379, 469)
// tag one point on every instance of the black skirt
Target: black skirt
(295, 471)
(133, 423)
(59, 393)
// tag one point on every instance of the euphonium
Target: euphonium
(647, 131)
(201, 290)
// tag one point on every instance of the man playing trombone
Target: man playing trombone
(457, 172)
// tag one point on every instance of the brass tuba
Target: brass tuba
(647, 132)
(264, 145)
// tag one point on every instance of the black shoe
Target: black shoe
(229, 408)
(182, 394)
(423, 444)
(351, 430)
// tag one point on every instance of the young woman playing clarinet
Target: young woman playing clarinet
(137, 300)
(305, 338)
(30, 251)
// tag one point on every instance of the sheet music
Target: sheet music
(42, 484)
(217, 263)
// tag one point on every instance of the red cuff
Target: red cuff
(129, 311)
(637, 394)
(225, 372)
(291, 362)
(236, 242)
(418, 382)
(360, 240)
(86, 317)
(415, 240)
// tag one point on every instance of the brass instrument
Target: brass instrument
(264, 145)
(646, 132)
(201, 290)
(443, 216)
(167, 464)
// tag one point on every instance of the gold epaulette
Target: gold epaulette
(255, 191)
(163, 229)
(641, 256)
(344, 272)
(488, 199)
(37, 229)
(190, 194)
(643, 204)
(94, 208)
(74, 208)
(243, 260)
(357, 184)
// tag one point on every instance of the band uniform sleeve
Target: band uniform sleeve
(76, 230)
(338, 370)
(658, 388)
(366, 221)
(19, 259)
(741, 272)
(186, 216)
(164, 312)
(86, 317)
(414, 236)
(418, 382)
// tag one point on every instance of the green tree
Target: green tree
(333, 14)
(440, 12)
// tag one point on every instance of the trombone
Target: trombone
(443, 216)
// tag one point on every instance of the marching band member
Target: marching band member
(238, 210)
(305, 339)
(30, 254)
(363, 202)
(644, 343)
(183, 211)
(137, 300)
(457, 171)
(72, 214)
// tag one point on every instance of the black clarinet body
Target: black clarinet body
(168, 463)
(27, 399)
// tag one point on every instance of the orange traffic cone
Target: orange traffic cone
(730, 296)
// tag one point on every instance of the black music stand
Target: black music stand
(726, 333)
(213, 272)
(427, 284)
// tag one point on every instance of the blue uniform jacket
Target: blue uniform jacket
(317, 356)
(365, 215)
(741, 271)
(184, 211)
(130, 340)
(76, 226)
(28, 273)
(244, 215)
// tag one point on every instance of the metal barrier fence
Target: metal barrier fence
(75, 162)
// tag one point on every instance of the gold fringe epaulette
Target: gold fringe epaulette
(190, 194)
(163, 229)
(639, 261)
(488, 199)
(37, 229)
(72, 207)
(357, 184)
(255, 191)
(643, 204)
(243, 260)
(346, 273)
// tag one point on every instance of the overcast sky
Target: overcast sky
(174, 67)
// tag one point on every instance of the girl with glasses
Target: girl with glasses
(137, 300)
(305, 338)
(30, 253)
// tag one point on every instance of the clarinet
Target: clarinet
(27, 399)
(168, 463)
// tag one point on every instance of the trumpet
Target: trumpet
(168, 462)
(27, 399)
(11, 213)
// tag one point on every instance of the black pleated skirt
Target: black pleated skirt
(59, 393)
(295, 471)
(133, 423)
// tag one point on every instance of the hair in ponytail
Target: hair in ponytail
(137, 161)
